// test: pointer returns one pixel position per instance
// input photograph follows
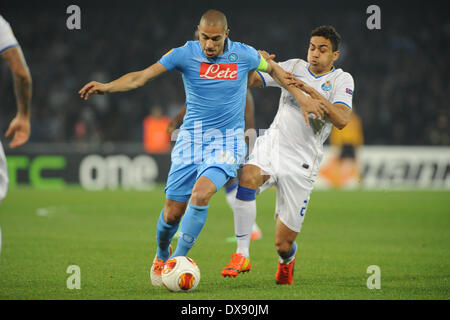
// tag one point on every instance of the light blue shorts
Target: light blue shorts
(182, 178)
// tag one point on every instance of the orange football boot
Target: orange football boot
(256, 235)
(285, 273)
(156, 270)
(238, 264)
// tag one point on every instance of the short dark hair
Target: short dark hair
(214, 17)
(330, 33)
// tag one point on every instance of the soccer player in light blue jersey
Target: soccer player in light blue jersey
(210, 145)
(231, 186)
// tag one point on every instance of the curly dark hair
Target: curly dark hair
(330, 33)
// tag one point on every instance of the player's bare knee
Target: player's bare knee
(172, 216)
(173, 211)
(250, 179)
(200, 197)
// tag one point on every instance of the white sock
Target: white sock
(231, 197)
(244, 218)
(286, 261)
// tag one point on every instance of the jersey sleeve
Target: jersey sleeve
(344, 90)
(268, 80)
(7, 38)
(174, 58)
(254, 58)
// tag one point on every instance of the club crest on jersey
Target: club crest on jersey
(326, 86)
(349, 91)
(218, 71)
(233, 57)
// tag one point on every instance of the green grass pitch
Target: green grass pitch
(110, 235)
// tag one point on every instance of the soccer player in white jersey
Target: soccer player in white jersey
(289, 153)
(19, 127)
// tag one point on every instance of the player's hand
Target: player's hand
(91, 88)
(171, 126)
(266, 55)
(294, 81)
(305, 87)
(316, 107)
(291, 80)
(19, 130)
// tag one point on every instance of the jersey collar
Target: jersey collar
(317, 77)
(225, 49)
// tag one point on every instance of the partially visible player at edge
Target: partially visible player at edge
(19, 127)
(289, 153)
(215, 73)
(232, 184)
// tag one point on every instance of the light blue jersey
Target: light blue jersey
(212, 134)
(215, 88)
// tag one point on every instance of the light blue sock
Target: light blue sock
(192, 223)
(164, 235)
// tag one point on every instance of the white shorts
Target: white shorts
(4, 180)
(293, 187)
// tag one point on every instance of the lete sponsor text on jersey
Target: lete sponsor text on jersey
(218, 71)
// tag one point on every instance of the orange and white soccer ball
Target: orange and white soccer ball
(180, 274)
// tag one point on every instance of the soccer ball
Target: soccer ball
(180, 274)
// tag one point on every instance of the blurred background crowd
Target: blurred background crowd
(401, 72)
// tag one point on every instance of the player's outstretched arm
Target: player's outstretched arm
(339, 114)
(19, 128)
(127, 82)
(307, 104)
(284, 79)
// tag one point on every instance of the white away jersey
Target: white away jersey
(7, 39)
(298, 143)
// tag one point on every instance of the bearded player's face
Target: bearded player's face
(321, 55)
(212, 39)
